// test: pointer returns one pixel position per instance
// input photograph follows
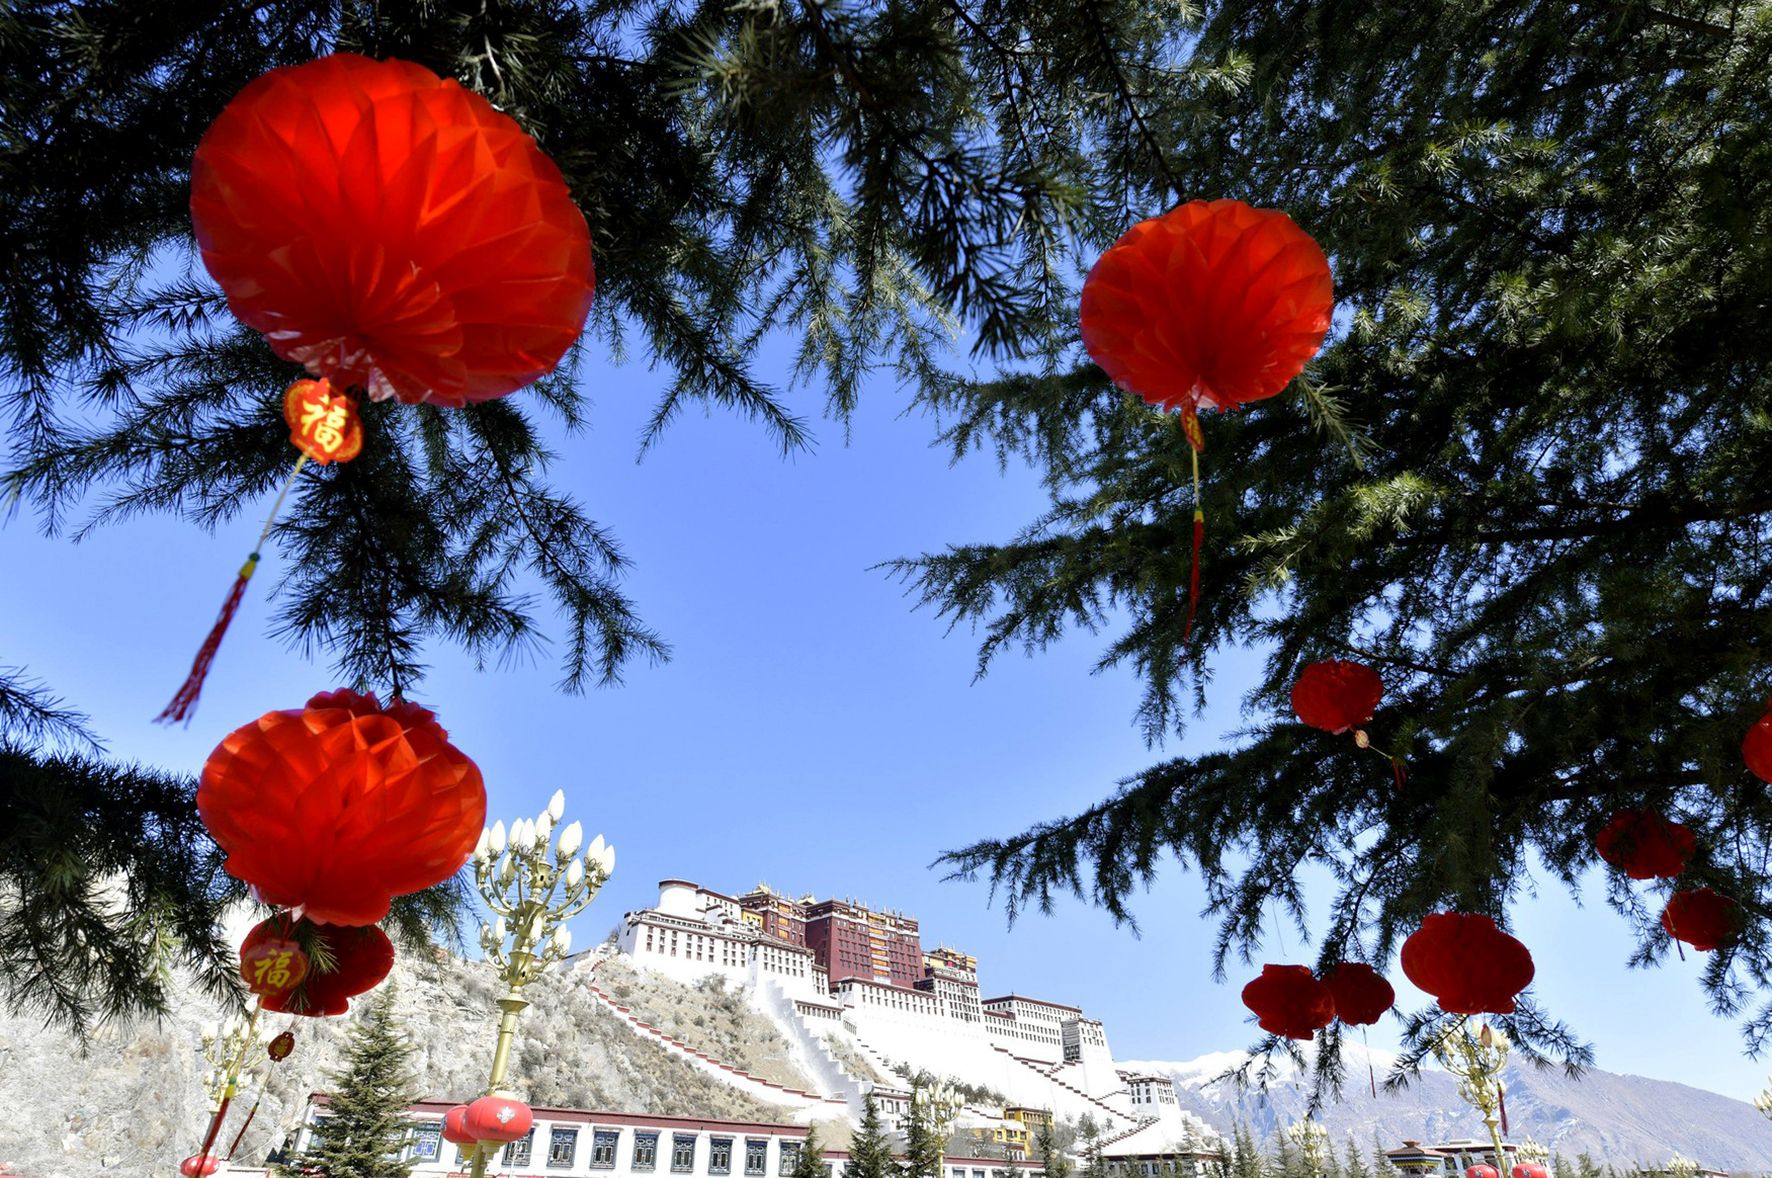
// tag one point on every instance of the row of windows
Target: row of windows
(563, 1150)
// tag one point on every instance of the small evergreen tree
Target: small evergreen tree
(809, 1164)
(1247, 1161)
(1355, 1165)
(870, 1154)
(1052, 1159)
(368, 1131)
(1094, 1164)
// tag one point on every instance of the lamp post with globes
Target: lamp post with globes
(1311, 1139)
(1476, 1061)
(531, 895)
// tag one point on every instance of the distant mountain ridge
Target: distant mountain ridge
(1612, 1117)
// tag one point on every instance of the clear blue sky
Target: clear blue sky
(812, 731)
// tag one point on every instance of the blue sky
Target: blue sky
(812, 730)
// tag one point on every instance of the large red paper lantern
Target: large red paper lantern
(498, 1118)
(1644, 845)
(1702, 918)
(199, 1165)
(1756, 748)
(1466, 962)
(1482, 1170)
(271, 961)
(1337, 696)
(389, 229)
(1530, 1170)
(455, 1126)
(1288, 1001)
(362, 957)
(1213, 303)
(338, 807)
(1361, 995)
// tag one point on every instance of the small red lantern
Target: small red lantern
(199, 1165)
(362, 958)
(389, 229)
(1288, 1001)
(498, 1118)
(271, 962)
(339, 807)
(1212, 303)
(1482, 1170)
(1466, 962)
(1337, 696)
(1756, 747)
(1644, 845)
(1361, 995)
(1702, 918)
(323, 422)
(455, 1126)
(280, 1047)
(1530, 1170)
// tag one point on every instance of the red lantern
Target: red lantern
(199, 1165)
(271, 962)
(1337, 696)
(455, 1126)
(1702, 918)
(339, 807)
(280, 1047)
(1212, 303)
(1482, 1170)
(498, 1118)
(362, 958)
(1756, 747)
(1361, 995)
(1288, 1001)
(323, 422)
(1644, 845)
(388, 229)
(1530, 1170)
(1467, 963)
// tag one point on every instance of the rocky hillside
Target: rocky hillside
(1611, 1117)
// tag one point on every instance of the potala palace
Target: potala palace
(845, 981)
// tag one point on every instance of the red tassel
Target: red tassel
(185, 701)
(242, 1131)
(1501, 1098)
(1397, 772)
(1193, 587)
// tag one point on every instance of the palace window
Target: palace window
(427, 1141)
(603, 1148)
(517, 1152)
(645, 1151)
(756, 1155)
(790, 1157)
(682, 1153)
(562, 1148)
(719, 1155)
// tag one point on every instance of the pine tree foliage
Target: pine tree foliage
(1527, 480)
(1053, 1161)
(870, 1153)
(809, 1162)
(366, 1131)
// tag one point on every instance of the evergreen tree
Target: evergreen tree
(870, 1153)
(1381, 1162)
(810, 1163)
(1354, 1165)
(366, 1132)
(1094, 1165)
(1052, 1159)
(1247, 1161)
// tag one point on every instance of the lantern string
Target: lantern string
(1190, 425)
(1371, 1076)
(184, 701)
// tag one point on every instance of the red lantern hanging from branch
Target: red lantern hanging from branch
(498, 1118)
(1756, 747)
(1361, 995)
(1644, 845)
(362, 958)
(1212, 303)
(340, 806)
(1288, 1001)
(272, 962)
(1467, 963)
(1702, 918)
(1340, 696)
(455, 1126)
(388, 229)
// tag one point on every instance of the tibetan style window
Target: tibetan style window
(756, 1155)
(427, 1141)
(682, 1153)
(790, 1157)
(563, 1148)
(603, 1148)
(719, 1155)
(517, 1152)
(645, 1151)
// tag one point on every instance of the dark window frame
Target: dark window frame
(718, 1147)
(556, 1134)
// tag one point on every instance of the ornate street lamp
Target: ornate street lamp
(1476, 1060)
(938, 1106)
(531, 895)
(225, 1047)
(1311, 1139)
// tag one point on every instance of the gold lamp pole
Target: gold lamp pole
(1476, 1060)
(1311, 1138)
(225, 1047)
(940, 1105)
(531, 896)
